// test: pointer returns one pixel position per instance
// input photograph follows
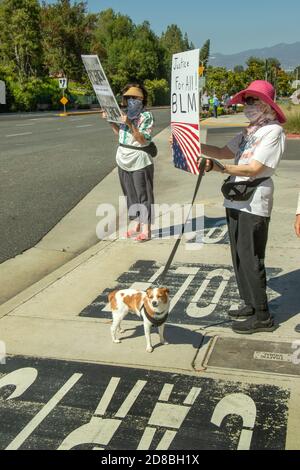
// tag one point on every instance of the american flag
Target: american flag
(186, 146)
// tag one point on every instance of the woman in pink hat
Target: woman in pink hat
(249, 199)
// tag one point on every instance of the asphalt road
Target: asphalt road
(220, 136)
(49, 164)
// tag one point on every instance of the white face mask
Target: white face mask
(253, 112)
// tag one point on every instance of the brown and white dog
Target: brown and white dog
(152, 306)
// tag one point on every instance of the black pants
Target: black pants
(248, 235)
(137, 186)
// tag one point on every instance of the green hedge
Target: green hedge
(159, 92)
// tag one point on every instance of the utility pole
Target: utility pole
(266, 70)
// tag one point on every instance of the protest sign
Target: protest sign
(185, 111)
(102, 87)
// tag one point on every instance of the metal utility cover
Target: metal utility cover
(260, 356)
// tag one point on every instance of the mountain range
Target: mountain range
(287, 54)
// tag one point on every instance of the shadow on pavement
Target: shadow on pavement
(173, 335)
(287, 305)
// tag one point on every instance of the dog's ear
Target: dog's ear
(166, 290)
(149, 291)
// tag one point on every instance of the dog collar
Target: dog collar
(154, 321)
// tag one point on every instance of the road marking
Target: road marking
(133, 395)
(85, 125)
(16, 135)
(24, 125)
(45, 411)
(107, 396)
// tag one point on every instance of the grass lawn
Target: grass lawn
(292, 113)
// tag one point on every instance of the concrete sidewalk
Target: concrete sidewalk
(64, 317)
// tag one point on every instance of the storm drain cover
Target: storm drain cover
(261, 356)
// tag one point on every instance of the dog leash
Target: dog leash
(161, 278)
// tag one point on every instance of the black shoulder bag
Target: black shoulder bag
(151, 148)
(240, 190)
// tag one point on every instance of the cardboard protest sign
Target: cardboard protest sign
(102, 87)
(185, 111)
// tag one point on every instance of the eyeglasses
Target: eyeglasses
(250, 100)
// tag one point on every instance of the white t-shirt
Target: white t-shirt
(266, 146)
(131, 159)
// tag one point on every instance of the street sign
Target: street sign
(64, 100)
(2, 93)
(63, 83)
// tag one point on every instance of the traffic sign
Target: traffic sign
(201, 70)
(64, 100)
(63, 83)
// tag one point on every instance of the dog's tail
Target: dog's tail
(112, 299)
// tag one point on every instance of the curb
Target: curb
(293, 136)
(98, 111)
(77, 113)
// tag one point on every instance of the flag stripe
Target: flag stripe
(187, 153)
(193, 136)
(190, 149)
(195, 126)
(184, 152)
(195, 145)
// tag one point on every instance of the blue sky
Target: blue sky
(232, 25)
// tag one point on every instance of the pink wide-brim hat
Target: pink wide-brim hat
(263, 90)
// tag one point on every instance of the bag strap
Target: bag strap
(257, 181)
(173, 253)
(252, 184)
(133, 147)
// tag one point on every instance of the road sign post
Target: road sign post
(63, 83)
(64, 101)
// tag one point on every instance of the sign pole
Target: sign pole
(64, 102)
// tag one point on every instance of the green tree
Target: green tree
(283, 83)
(256, 69)
(217, 80)
(297, 72)
(204, 53)
(20, 38)
(238, 69)
(172, 42)
(67, 33)
(110, 27)
(127, 51)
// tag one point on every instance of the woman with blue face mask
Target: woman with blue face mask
(135, 165)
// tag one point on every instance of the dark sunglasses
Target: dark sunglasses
(132, 98)
(250, 100)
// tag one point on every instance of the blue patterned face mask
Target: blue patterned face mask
(134, 108)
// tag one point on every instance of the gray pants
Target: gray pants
(137, 186)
